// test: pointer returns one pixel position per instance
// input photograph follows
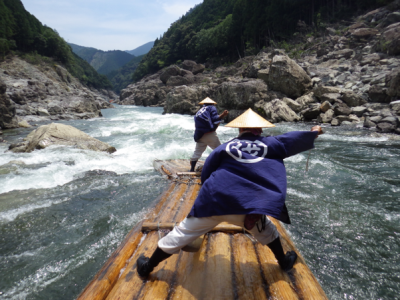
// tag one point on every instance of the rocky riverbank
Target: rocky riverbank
(347, 75)
(33, 93)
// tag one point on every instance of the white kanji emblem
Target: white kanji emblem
(201, 111)
(256, 149)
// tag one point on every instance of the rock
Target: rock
(359, 110)
(179, 80)
(326, 117)
(321, 90)
(335, 122)
(390, 39)
(368, 123)
(258, 67)
(60, 134)
(386, 127)
(395, 105)
(188, 65)
(294, 105)
(276, 111)
(325, 106)
(352, 99)
(170, 71)
(242, 95)
(393, 83)
(364, 33)
(330, 97)
(7, 109)
(24, 124)
(378, 94)
(311, 112)
(370, 59)
(263, 74)
(376, 119)
(288, 77)
(42, 112)
(35, 88)
(185, 99)
(193, 67)
(391, 120)
(197, 69)
(307, 99)
(341, 109)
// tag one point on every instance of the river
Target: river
(63, 211)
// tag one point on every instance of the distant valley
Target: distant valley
(117, 65)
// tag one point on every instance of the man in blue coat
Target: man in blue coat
(243, 181)
(206, 122)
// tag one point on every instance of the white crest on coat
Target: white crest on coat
(256, 149)
(201, 111)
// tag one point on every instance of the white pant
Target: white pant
(209, 139)
(191, 228)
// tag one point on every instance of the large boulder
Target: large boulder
(241, 95)
(352, 99)
(286, 76)
(184, 99)
(393, 83)
(170, 71)
(276, 111)
(390, 39)
(7, 109)
(60, 134)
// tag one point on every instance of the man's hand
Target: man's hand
(318, 129)
(223, 115)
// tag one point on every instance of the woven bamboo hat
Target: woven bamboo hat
(207, 101)
(249, 119)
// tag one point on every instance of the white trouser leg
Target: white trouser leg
(209, 139)
(191, 228)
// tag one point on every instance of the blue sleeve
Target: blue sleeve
(297, 141)
(214, 115)
(211, 164)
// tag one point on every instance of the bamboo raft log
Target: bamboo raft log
(228, 265)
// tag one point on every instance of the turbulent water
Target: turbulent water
(60, 219)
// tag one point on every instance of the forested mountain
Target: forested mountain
(103, 62)
(141, 50)
(122, 77)
(230, 29)
(22, 32)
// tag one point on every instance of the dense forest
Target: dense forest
(122, 77)
(22, 33)
(103, 62)
(231, 29)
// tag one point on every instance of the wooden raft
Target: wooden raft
(228, 265)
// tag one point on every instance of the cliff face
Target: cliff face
(45, 92)
(7, 109)
(346, 75)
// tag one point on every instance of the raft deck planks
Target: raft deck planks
(228, 265)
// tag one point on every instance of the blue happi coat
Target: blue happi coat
(205, 120)
(247, 175)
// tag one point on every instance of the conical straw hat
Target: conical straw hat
(207, 101)
(249, 119)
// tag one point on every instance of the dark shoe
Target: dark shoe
(192, 165)
(288, 261)
(146, 265)
(143, 266)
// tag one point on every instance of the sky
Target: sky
(109, 24)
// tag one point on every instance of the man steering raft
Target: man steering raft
(206, 121)
(243, 181)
